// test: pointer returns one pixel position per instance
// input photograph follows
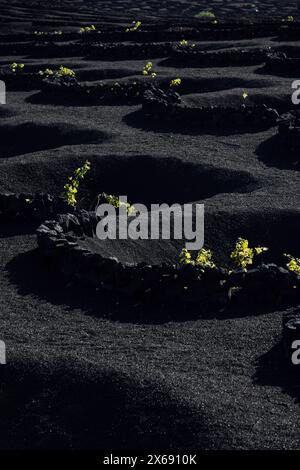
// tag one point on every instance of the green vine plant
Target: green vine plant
(16, 68)
(61, 72)
(134, 27)
(175, 82)
(243, 256)
(185, 258)
(184, 42)
(293, 264)
(72, 186)
(115, 202)
(203, 259)
(148, 70)
(87, 29)
(71, 190)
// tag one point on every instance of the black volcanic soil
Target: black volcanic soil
(85, 370)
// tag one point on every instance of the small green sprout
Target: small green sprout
(290, 18)
(184, 42)
(87, 29)
(71, 187)
(16, 68)
(293, 264)
(134, 27)
(61, 72)
(115, 202)
(185, 257)
(245, 95)
(205, 14)
(203, 259)
(66, 72)
(46, 73)
(242, 255)
(148, 70)
(175, 82)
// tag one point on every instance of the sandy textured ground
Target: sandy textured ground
(58, 10)
(82, 370)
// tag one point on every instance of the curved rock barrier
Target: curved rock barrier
(45, 48)
(32, 207)
(289, 32)
(158, 103)
(49, 49)
(130, 92)
(40, 36)
(60, 238)
(290, 333)
(169, 30)
(289, 132)
(164, 30)
(129, 51)
(20, 82)
(203, 31)
(282, 64)
(15, 48)
(194, 56)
